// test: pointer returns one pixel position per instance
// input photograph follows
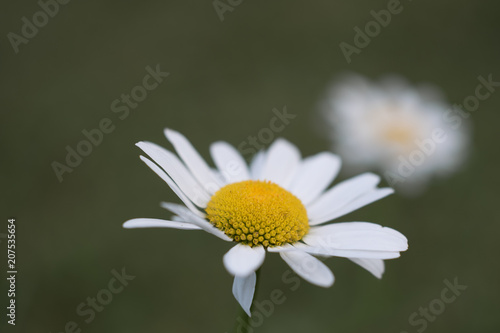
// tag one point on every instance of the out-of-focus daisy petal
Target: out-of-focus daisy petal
(314, 175)
(374, 266)
(244, 289)
(242, 259)
(309, 268)
(388, 124)
(177, 171)
(281, 163)
(229, 162)
(157, 223)
(342, 194)
(195, 163)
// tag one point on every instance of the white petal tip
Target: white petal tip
(388, 190)
(132, 224)
(325, 284)
(243, 291)
(396, 255)
(169, 133)
(140, 144)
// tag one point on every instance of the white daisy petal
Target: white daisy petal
(355, 204)
(219, 176)
(257, 164)
(229, 162)
(309, 268)
(342, 194)
(191, 217)
(325, 251)
(242, 259)
(180, 210)
(195, 163)
(374, 266)
(358, 236)
(177, 218)
(314, 175)
(281, 163)
(177, 171)
(244, 289)
(158, 223)
(349, 226)
(172, 185)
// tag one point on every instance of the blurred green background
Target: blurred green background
(225, 79)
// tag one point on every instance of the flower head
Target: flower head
(277, 204)
(406, 133)
(258, 213)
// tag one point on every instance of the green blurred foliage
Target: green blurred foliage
(225, 79)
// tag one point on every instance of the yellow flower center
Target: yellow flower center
(399, 134)
(256, 212)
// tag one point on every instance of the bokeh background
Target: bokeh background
(225, 79)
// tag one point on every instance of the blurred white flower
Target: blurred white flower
(404, 132)
(279, 203)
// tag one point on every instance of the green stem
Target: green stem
(243, 315)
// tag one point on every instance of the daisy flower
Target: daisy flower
(404, 132)
(280, 203)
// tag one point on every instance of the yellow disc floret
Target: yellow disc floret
(258, 213)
